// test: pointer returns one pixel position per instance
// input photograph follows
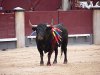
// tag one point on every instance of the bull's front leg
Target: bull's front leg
(49, 56)
(41, 56)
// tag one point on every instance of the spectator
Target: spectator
(87, 4)
(94, 2)
(98, 3)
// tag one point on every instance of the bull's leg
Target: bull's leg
(41, 56)
(56, 53)
(65, 55)
(64, 49)
(49, 56)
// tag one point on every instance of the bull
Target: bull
(46, 42)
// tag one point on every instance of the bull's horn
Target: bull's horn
(32, 24)
(48, 25)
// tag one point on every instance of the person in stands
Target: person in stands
(87, 5)
(98, 3)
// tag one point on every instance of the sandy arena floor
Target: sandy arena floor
(82, 60)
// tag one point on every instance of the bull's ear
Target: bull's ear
(34, 28)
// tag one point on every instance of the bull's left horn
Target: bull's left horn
(32, 24)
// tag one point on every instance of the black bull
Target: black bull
(46, 43)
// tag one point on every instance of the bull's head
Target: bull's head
(41, 30)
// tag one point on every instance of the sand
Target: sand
(82, 60)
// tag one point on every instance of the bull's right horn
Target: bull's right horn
(48, 25)
(32, 24)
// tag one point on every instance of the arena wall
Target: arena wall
(7, 25)
(76, 21)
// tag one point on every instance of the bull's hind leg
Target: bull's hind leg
(65, 55)
(64, 49)
(56, 53)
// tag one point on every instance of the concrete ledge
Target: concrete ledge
(79, 35)
(72, 35)
(8, 39)
(72, 39)
(31, 37)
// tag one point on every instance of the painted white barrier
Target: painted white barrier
(72, 35)
(8, 39)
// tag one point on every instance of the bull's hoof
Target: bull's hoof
(55, 62)
(65, 61)
(41, 63)
(48, 64)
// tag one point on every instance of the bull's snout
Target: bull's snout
(39, 37)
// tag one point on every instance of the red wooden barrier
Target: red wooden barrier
(7, 26)
(39, 17)
(77, 21)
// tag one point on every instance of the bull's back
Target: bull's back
(64, 32)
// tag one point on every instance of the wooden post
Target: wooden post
(96, 26)
(20, 27)
(65, 5)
